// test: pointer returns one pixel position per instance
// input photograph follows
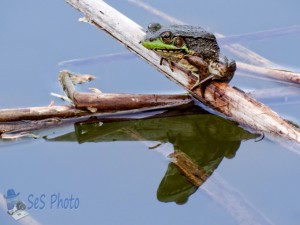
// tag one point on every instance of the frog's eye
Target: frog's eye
(166, 37)
(152, 27)
(178, 42)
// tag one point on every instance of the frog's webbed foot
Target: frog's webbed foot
(169, 62)
(202, 84)
(205, 82)
(161, 61)
(197, 84)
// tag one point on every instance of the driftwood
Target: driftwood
(282, 75)
(17, 123)
(23, 120)
(220, 96)
(260, 35)
(109, 102)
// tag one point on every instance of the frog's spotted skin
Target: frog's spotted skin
(192, 47)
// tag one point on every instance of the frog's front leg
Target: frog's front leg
(169, 62)
(202, 67)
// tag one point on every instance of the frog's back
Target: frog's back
(199, 40)
(180, 30)
(207, 48)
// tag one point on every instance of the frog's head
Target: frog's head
(164, 39)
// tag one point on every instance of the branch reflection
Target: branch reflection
(200, 142)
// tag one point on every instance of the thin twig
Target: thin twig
(282, 75)
(259, 36)
(66, 83)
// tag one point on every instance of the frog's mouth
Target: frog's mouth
(171, 54)
(169, 50)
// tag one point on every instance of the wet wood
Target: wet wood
(103, 103)
(85, 105)
(39, 113)
(219, 96)
(16, 123)
(114, 102)
(108, 102)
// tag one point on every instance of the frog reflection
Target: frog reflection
(194, 162)
(200, 140)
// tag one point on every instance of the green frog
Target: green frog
(192, 47)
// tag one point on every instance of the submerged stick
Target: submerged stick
(220, 96)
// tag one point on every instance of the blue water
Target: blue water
(117, 182)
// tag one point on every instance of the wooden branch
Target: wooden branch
(260, 35)
(39, 113)
(67, 84)
(282, 75)
(103, 103)
(220, 96)
(19, 122)
(16, 123)
(113, 102)
(86, 105)
(108, 102)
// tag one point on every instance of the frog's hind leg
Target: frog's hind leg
(169, 62)
(202, 67)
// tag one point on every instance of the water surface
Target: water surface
(115, 176)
